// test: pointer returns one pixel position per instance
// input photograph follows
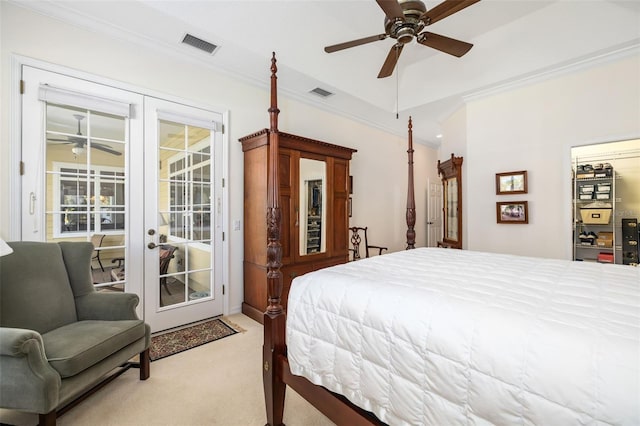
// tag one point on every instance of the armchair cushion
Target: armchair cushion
(77, 346)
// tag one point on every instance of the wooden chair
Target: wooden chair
(356, 241)
(96, 240)
(166, 254)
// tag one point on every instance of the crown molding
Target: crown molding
(616, 53)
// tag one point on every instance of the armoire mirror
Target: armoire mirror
(312, 208)
(451, 173)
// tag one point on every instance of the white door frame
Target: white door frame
(15, 148)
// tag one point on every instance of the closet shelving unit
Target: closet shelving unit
(594, 213)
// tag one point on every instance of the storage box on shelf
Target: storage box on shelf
(604, 257)
(596, 213)
(605, 239)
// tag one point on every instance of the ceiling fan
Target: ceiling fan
(80, 141)
(403, 22)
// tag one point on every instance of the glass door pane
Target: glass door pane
(86, 186)
(184, 195)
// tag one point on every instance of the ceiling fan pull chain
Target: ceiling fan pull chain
(397, 87)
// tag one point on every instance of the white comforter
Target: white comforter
(448, 337)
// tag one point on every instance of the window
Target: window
(88, 202)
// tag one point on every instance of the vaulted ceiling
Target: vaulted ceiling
(513, 40)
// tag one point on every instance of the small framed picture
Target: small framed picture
(511, 183)
(349, 206)
(512, 212)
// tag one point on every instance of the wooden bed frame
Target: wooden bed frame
(276, 372)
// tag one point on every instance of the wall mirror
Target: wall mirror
(312, 210)
(451, 173)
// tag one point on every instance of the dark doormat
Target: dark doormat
(173, 342)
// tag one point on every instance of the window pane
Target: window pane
(196, 135)
(107, 126)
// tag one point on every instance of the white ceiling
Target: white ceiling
(513, 40)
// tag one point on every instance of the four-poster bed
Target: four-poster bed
(440, 336)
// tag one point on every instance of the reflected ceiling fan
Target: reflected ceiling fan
(80, 141)
(404, 20)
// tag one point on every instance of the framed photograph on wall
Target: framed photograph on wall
(511, 183)
(512, 212)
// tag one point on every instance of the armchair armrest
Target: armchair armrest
(28, 383)
(17, 342)
(107, 306)
(379, 248)
(119, 260)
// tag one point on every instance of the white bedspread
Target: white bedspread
(449, 337)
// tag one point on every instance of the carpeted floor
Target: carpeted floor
(219, 384)
(176, 341)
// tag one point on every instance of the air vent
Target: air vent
(199, 43)
(321, 92)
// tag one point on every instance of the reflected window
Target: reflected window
(190, 195)
(89, 200)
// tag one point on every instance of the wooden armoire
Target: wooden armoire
(314, 193)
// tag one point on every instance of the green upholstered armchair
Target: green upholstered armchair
(59, 338)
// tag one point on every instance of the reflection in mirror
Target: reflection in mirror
(312, 207)
(452, 208)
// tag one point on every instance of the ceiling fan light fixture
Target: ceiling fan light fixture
(78, 150)
(405, 35)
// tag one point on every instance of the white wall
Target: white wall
(379, 166)
(533, 128)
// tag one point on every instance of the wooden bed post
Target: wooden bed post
(274, 317)
(411, 202)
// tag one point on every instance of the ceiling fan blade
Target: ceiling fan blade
(105, 148)
(390, 63)
(444, 44)
(391, 8)
(64, 141)
(444, 9)
(353, 43)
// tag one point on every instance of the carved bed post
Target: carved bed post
(274, 317)
(411, 202)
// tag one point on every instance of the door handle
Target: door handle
(152, 245)
(32, 203)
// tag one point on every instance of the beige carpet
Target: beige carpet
(219, 383)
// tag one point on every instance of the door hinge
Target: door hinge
(222, 128)
(223, 289)
(223, 236)
(21, 168)
(22, 87)
(223, 182)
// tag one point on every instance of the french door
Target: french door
(84, 178)
(183, 212)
